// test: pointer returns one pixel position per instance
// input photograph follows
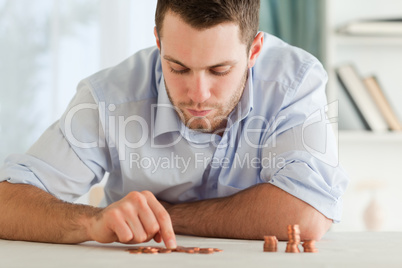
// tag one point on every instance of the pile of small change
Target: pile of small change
(309, 246)
(157, 250)
(294, 239)
(271, 242)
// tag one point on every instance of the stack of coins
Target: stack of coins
(156, 250)
(294, 239)
(270, 243)
(309, 246)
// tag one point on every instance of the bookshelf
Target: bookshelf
(370, 158)
(369, 137)
(372, 55)
(345, 40)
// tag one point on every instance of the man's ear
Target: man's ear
(255, 49)
(158, 42)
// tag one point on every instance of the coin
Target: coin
(150, 250)
(156, 250)
(309, 246)
(270, 244)
(206, 250)
(165, 250)
(292, 248)
(135, 251)
(309, 243)
(293, 239)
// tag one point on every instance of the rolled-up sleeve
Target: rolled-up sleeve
(69, 157)
(304, 149)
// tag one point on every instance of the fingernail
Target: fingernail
(171, 244)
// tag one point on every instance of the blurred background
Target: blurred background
(48, 46)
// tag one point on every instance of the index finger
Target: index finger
(165, 223)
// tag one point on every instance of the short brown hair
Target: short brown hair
(204, 14)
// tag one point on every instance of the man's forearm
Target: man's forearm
(250, 214)
(28, 213)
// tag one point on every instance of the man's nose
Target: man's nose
(199, 88)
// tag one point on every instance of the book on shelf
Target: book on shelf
(386, 27)
(350, 118)
(361, 98)
(382, 102)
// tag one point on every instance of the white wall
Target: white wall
(373, 161)
(126, 26)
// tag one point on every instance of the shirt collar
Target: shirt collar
(167, 119)
(245, 104)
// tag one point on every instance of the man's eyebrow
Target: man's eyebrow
(168, 58)
(225, 63)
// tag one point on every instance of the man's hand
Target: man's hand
(136, 218)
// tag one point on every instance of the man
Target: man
(209, 133)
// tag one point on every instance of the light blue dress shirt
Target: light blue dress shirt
(121, 122)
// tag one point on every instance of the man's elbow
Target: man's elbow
(287, 209)
(314, 227)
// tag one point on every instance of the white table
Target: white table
(335, 250)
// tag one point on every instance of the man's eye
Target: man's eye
(221, 71)
(183, 71)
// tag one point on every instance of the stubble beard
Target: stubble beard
(217, 124)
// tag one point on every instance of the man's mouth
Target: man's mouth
(199, 113)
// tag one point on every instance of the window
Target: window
(48, 46)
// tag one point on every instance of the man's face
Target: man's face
(205, 71)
